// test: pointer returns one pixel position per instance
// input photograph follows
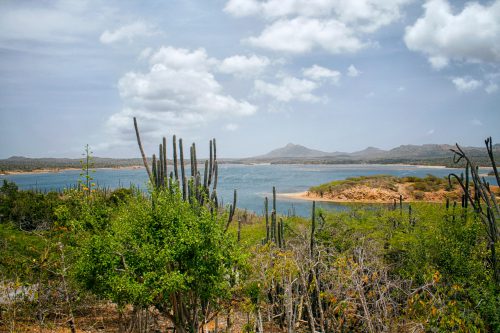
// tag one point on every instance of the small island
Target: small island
(383, 189)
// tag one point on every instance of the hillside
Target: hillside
(427, 154)
(384, 189)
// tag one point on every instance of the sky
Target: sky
(333, 75)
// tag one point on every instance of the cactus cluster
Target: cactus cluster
(192, 188)
(275, 232)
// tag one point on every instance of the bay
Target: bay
(252, 182)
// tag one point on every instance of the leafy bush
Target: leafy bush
(162, 252)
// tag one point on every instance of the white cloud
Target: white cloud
(231, 127)
(353, 71)
(289, 89)
(471, 35)
(179, 58)
(178, 91)
(240, 8)
(491, 88)
(318, 72)
(299, 26)
(303, 34)
(464, 84)
(54, 22)
(244, 65)
(366, 15)
(401, 89)
(127, 32)
(430, 132)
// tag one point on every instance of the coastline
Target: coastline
(309, 196)
(57, 170)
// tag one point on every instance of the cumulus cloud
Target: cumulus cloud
(244, 65)
(302, 34)
(471, 35)
(178, 91)
(127, 32)
(179, 58)
(464, 84)
(299, 26)
(318, 73)
(289, 89)
(353, 71)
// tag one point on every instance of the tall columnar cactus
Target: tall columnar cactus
(183, 172)
(193, 188)
(266, 209)
(160, 160)
(155, 174)
(273, 216)
(165, 171)
(174, 151)
(313, 228)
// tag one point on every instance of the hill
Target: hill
(427, 154)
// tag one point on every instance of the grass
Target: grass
(19, 250)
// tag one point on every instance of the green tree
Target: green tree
(162, 252)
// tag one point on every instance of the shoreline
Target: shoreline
(309, 196)
(131, 167)
(57, 170)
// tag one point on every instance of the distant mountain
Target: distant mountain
(293, 151)
(430, 154)
(370, 152)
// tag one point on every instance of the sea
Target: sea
(252, 182)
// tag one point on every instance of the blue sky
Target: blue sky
(334, 75)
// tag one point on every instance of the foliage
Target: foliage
(162, 252)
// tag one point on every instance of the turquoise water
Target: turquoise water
(253, 182)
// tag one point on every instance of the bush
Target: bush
(162, 252)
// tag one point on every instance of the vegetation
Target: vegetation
(172, 258)
(389, 188)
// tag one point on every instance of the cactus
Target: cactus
(165, 171)
(183, 172)
(216, 168)
(279, 233)
(174, 152)
(191, 159)
(205, 177)
(154, 176)
(266, 208)
(313, 227)
(232, 209)
(210, 171)
(160, 169)
(195, 162)
(283, 233)
(195, 190)
(144, 159)
(239, 230)
(273, 217)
